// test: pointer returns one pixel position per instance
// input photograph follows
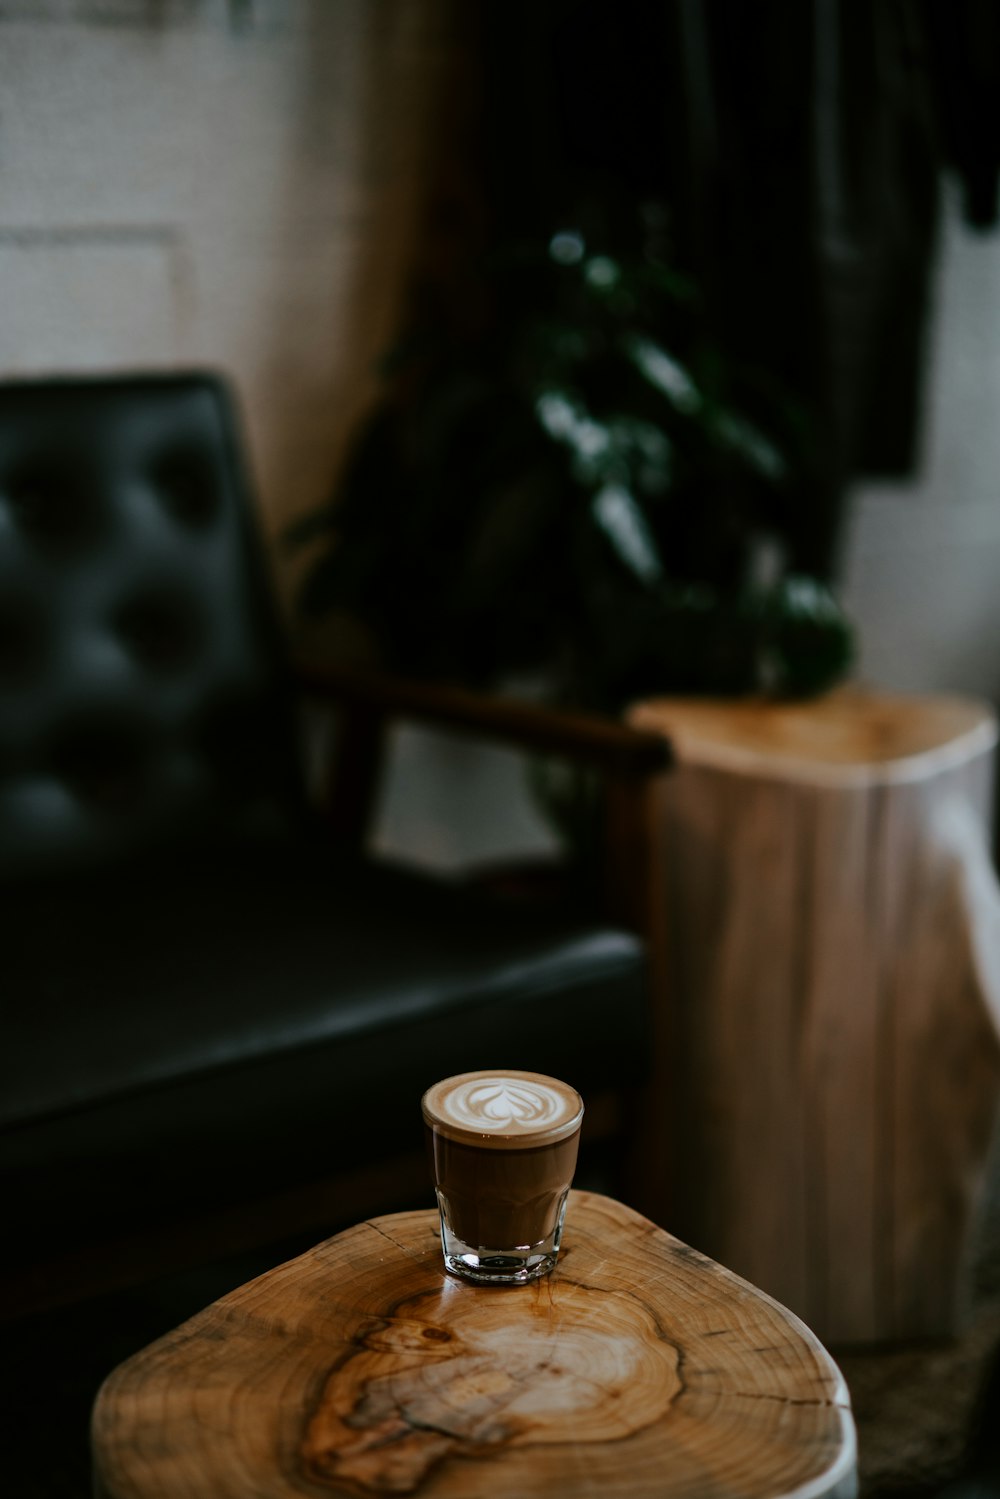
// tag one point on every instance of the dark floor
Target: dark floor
(928, 1418)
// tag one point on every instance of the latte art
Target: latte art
(503, 1102)
(503, 1110)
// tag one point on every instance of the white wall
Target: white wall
(922, 566)
(230, 183)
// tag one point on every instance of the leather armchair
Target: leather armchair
(205, 993)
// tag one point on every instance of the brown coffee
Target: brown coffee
(502, 1198)
(503, 1148)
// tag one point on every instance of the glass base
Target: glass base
(502, 1267)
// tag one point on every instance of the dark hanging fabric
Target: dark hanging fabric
(964, 39)
(806, 170)
(798, 149)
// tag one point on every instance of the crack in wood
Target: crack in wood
(810, 1400)
(417, 1255)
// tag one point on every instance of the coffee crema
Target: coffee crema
(507, 1110)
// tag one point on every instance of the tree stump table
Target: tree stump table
(639, 1368)
(829, 1000)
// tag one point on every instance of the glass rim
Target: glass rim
(500, 1139)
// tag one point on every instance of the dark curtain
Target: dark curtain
(796, 153)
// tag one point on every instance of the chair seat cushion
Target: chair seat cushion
(196, 1031)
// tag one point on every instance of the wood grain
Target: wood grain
(833, 970)
(859, 735)
(639, 1368)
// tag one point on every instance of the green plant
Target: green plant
(584, 487)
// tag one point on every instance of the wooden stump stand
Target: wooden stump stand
(638, 1369)
(829, 1005)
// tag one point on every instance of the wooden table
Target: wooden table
(639, 1368)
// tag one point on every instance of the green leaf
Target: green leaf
(665, 373)
(810, 642)
(621, 519)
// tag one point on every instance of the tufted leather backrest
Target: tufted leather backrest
(142, 705)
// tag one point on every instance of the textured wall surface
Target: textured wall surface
(228, 183)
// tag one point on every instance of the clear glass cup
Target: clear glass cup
(503, 1148)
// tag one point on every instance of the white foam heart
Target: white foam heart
(498, 1103)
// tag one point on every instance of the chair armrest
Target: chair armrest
(586, 738)
(630, 760)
